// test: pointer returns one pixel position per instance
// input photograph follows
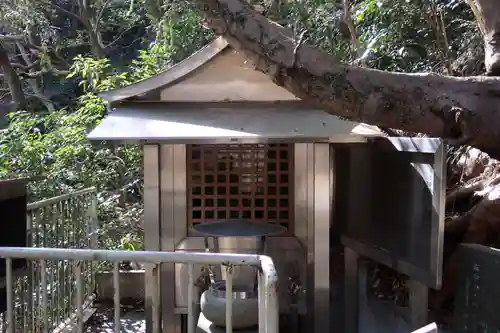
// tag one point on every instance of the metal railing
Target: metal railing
(44, 293)
(267, 281)
(65, 221)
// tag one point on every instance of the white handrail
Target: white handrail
(268, 277)
(431, 328)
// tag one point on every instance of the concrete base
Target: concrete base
(131, 285)
(205, 326)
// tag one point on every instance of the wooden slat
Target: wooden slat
(240, 181)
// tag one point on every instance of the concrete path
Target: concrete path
(131, 322)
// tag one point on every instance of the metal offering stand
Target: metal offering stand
(245, 309)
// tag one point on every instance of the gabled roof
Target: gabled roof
(215, 95)
(169, 76)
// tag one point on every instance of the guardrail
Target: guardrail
(66, 221)
(267, 281)
(431, 328)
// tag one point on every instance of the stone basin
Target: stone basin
(245, 305)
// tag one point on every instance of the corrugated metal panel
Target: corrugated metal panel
(154, 122)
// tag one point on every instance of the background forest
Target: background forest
(56, 55)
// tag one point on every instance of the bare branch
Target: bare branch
(24, 55)
(35, 83)
(298, 44)
(11, 38)
(64, 11)
(101, 12)
(436, 22)
(118, 37)
(32, 75)
(26, 68)
(348, 19)
(53, 71)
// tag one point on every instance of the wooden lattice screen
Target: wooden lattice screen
(240, 181)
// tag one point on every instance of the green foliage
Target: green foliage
(406, 35)
(55, 145)
(180, 34)
(150, 62)
(393, 35)
(96, 75)
(183, 32)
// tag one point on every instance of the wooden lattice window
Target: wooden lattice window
(240, 181)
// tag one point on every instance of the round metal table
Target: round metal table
(237, 228)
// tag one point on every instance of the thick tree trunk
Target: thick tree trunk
(13, 81)
(487, 13)
(464, 110)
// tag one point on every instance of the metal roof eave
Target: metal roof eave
(235, 140)
(162, 123)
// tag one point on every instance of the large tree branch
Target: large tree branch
(35, 83)
(463, 109)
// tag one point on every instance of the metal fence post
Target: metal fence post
(270, 277)
(156, 306)
(94, 224)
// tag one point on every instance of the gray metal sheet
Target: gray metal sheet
(394, 209)
(159, 123)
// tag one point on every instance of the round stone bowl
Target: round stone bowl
(245, 305)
